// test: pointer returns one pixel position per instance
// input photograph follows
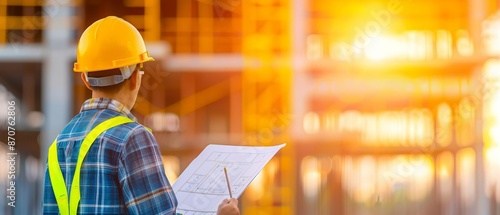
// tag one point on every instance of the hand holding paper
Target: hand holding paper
(228, 207)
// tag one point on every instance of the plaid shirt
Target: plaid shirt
(123, 170)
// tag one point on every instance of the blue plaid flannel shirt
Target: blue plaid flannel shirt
(123, 170)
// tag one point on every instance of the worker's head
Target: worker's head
(109, 55)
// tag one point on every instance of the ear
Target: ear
(85, 81)
(135, 80)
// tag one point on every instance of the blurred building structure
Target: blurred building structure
(387, 107)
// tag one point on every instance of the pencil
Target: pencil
(227, 181)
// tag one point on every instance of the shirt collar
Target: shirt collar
(106, 103)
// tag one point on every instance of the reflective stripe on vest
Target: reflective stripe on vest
(56, 176)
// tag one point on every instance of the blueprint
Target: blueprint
(202, 186)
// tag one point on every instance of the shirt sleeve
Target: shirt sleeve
(145, 187)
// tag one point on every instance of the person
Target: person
(104, 161)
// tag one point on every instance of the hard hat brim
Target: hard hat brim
(144, 57)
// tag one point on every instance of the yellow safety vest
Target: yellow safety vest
(56, 176)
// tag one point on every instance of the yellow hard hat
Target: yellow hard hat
(110, 43)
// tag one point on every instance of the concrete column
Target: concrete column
(57, 74)
(300, 82)
(477, 13)
(482, 202)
